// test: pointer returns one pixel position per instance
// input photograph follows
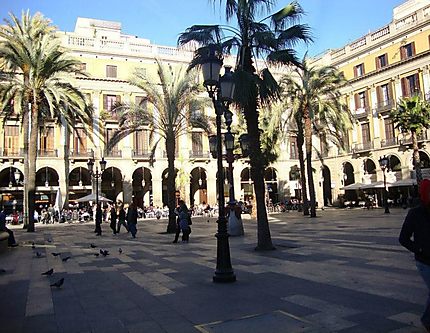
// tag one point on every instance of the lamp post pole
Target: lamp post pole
(383, 163)
(221, 91)
(96, 175)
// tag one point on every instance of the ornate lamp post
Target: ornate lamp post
(96, 175)
(383, 163)
(220, 90)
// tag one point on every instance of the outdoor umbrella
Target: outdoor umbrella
(354, 186)
(92, 197)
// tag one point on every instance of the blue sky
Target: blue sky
(334, 23)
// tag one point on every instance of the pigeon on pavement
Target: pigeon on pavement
(96, 254)
(120, 251)
(58, 284)
(56, 254)
(33, 246)
(66, 258)
(38, 254)
(48, 273)
(93, 246)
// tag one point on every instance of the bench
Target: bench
(3, 241)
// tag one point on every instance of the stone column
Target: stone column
(157, 188)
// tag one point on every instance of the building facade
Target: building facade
(381, 67)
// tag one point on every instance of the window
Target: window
(384, 95)
(111, 71)
(410, 85)
(365, 132)
(407, 51)
(109, 135)
(109, 101)
(359, 70)
(389, 129)
(197, 142)
(381, 61)
(360, 101)
(293, 148)
(141, 141)
(141, 101)
(11, 140)
(47, 139)
(79, 141)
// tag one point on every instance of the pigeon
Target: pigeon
(120, 250)
(38, 254)
(96, 254)
(2, 270)
(56, 254)
(58, 284)
(33, 246)
(104, 252)
(48, 273)
(66, 258)
(92, 246)
(49, 240)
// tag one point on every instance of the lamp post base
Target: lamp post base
(224, 272)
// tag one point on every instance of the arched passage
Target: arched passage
(246, 189)
(46, 179)
(112, 183)
(198, 186)
(326, 186)
(142, 187)
(11, 185)
(271, 181)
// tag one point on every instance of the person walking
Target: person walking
(11, 239)
(99, 217)
(132, 219)
(121, 219)
(183, 222)
(415, 236)
(113, 218)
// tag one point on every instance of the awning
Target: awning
(378, 184)
(92, 197)
(355, 186)
(405, 182)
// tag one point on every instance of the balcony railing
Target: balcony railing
(11, 152)
(389, 142)
(199, 154)
(113, 153)
(385, 106)
(361, 112)
(47, 153)
(141, 153)
(76, 154)
(420, 137)
(363, 147)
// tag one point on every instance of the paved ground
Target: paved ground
(341, 272)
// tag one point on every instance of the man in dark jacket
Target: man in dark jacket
(415, 236)
(11, 239)
(132, 219)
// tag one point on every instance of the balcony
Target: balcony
(408, 141)
(141, 154)
(113, 153)
(47, 153)
(81, 154)
(389, 142)
(12, 153)
(364, 147)
(385, 106)
(361, 113)
(199, 155)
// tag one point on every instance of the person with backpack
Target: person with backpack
(183, 222)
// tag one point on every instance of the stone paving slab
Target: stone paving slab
(343, 271)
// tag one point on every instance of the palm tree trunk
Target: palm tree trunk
(66, 165)
(300, 141)
(32, 159)
(416, 158)
(308, 145)
(26, 130)
(171, 199)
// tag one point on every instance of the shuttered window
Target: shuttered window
(407, 51)
(141, 141)
(47, 139)
(381, 61)
(365, 132)
(109, 134)
(359, 70)
(11, 140)
(384, 94)
(410, 85)
(197, 142)
(389, 128)
(111, 71)
(80, 141)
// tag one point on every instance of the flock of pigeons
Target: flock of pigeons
(59, 283)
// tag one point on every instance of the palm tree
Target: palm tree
(30, 48)
(412, 115)
(316, 106)
(256, 88)
(175, 99)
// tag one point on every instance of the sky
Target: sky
(333, 23)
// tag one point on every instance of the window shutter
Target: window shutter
(390, 91)
(377, 63)
(413, 48)
(417, 82)
(366, 99)
(105, 102)
(379, 94)
(118, 98)
(355, 71)
(402, 53)
(404, 87)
